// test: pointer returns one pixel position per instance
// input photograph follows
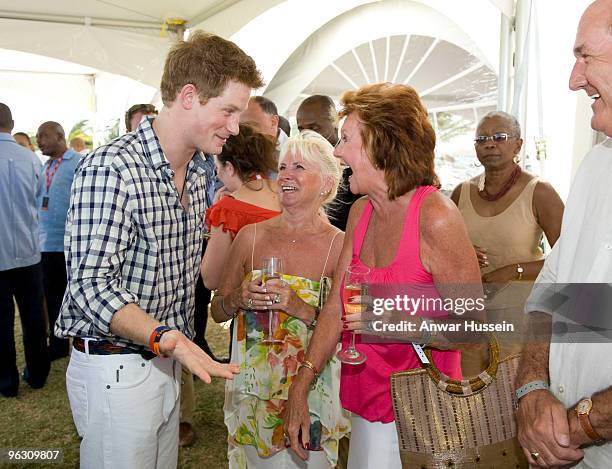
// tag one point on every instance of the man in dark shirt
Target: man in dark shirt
(318, 113)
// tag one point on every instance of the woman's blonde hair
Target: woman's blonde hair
(315, 149)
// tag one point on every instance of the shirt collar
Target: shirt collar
(198, 163)
(150, 144)
(69, 154)
(154, 153)
(6, 136)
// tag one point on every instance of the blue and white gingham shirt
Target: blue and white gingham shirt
(129, 240)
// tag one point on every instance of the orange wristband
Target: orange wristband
(155, 338)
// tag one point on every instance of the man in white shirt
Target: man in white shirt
(565, 388)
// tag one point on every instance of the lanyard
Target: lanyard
(49, 177)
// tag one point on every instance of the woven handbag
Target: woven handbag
(446, 423)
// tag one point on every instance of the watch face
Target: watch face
(584, 406)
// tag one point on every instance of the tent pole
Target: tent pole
(504, 78)
(521, 65)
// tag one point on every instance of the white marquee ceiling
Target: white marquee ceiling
(446, 76)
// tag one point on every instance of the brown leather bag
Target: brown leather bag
(446, 423)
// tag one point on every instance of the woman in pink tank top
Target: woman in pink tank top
(406, 233)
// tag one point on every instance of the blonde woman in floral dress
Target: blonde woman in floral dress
(309, 247)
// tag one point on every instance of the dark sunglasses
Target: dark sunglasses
(497, 138)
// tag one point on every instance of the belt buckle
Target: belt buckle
(147, 355)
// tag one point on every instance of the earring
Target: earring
(322, 193)
(476, 164)
(516, 159)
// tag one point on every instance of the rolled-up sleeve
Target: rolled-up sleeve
(99, 232)
(543, 294)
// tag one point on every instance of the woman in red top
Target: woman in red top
(406, 233)
(242, 166)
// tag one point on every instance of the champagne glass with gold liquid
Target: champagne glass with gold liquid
(355, 281)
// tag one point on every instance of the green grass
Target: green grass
(42, 419)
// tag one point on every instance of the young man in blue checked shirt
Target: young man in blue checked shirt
(133, 250)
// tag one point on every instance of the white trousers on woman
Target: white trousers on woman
(286, 459)
(126, 410)
(373, 445)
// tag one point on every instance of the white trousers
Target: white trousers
(126, 410)
(374, 445)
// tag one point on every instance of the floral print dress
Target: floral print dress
(255, 398)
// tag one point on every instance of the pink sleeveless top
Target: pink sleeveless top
(365, 389)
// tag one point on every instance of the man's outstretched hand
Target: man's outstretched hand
(175, 345)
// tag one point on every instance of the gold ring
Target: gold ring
(250, 303)
(535, 455)
(277, 298)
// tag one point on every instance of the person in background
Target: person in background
(20, 270)
(283, 124)
(262, 116)
(405, 232)
(78, 144)
(506, 211)
(53, 198)
(23, 139)
(309, 246)
(251, 197)
(318, 113)
(136, 113)
(133, 250)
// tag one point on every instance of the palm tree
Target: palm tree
(82, 129)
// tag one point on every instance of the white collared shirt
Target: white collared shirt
(583, 254)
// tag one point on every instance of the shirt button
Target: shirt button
(561, 389)
(608, 246)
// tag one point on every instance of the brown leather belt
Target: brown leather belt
(104, 347)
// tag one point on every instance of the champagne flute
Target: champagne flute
(272, 269)
(354, 287)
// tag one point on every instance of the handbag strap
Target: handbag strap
(470, 386)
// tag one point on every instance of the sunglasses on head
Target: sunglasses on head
(497, 138)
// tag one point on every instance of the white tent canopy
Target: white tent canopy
(120, 37)
(457, 54)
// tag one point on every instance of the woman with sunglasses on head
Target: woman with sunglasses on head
(506, 210)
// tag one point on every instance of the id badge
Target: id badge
(45, 203)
